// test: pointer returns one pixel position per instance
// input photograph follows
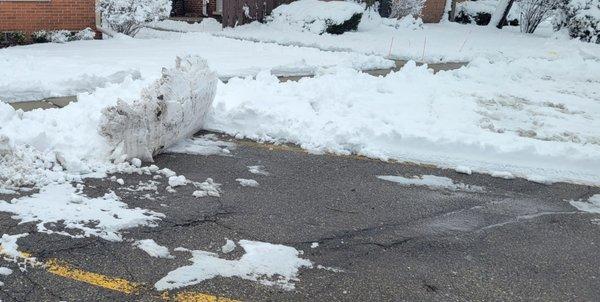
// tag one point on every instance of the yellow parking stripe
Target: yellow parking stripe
(66, 270)
(63, 269)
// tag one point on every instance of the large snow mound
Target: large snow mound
(314, 15)
(171, 109)
(534, 118)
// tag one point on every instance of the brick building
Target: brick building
(32, 15)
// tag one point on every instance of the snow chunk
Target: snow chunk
(176, 181)
(204, 145)
(266, 263)
(170, 109)
(260, 170)
(103, 216)
(314, 245)
(207, 188)
(463, 170)
(592, 205)
(431, 181)
(228, 247)
(9, 246)
(136, 162)
(247, 182)
(5, 271)
(153, 249)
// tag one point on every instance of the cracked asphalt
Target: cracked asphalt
(516, 240)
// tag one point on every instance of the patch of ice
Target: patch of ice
(260, 170)
(432, 181)
(247, 182)
(228, 247)
(204, 145)
(592, 205)
(153, 249)
(266, 263)
(61, 204)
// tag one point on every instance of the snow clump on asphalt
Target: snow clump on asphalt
(153, 249)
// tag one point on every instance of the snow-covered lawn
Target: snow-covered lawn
(44, 70)
(447, 42)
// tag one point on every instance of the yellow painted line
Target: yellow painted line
(63, 269)
(194, 297)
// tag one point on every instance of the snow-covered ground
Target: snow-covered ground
(44, 70)
(444, 42)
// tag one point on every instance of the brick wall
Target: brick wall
(29, 16)
(193, 8)
(433, 10)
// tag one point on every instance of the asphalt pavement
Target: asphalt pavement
(514, 240)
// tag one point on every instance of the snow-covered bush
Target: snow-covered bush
(129, 16)
(334, 17)
(403, 8)
(533, 12)
(581, 18)
(59, 36)
(86, 34)
(40, 36)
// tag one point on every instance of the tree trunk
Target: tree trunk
(499, 16)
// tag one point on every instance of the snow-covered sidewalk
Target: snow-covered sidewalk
(444, 42)
(45, 70)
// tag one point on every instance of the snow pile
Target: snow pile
(207, 144)
(314, 16)
(171, 109)
(153, 249)
(62, 205)
(228, 247)
(487, 117)
(592, 205)
(431, 181)
(266, 263)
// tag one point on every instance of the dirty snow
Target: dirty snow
(592, 205)
(59, 205)
(153, 249)
(247, 182)
(262, 262)
(203, 145)
(431, 181)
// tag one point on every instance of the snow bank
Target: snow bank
(314, 16)
(534, 118)
(171, 109)
(266, 263)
